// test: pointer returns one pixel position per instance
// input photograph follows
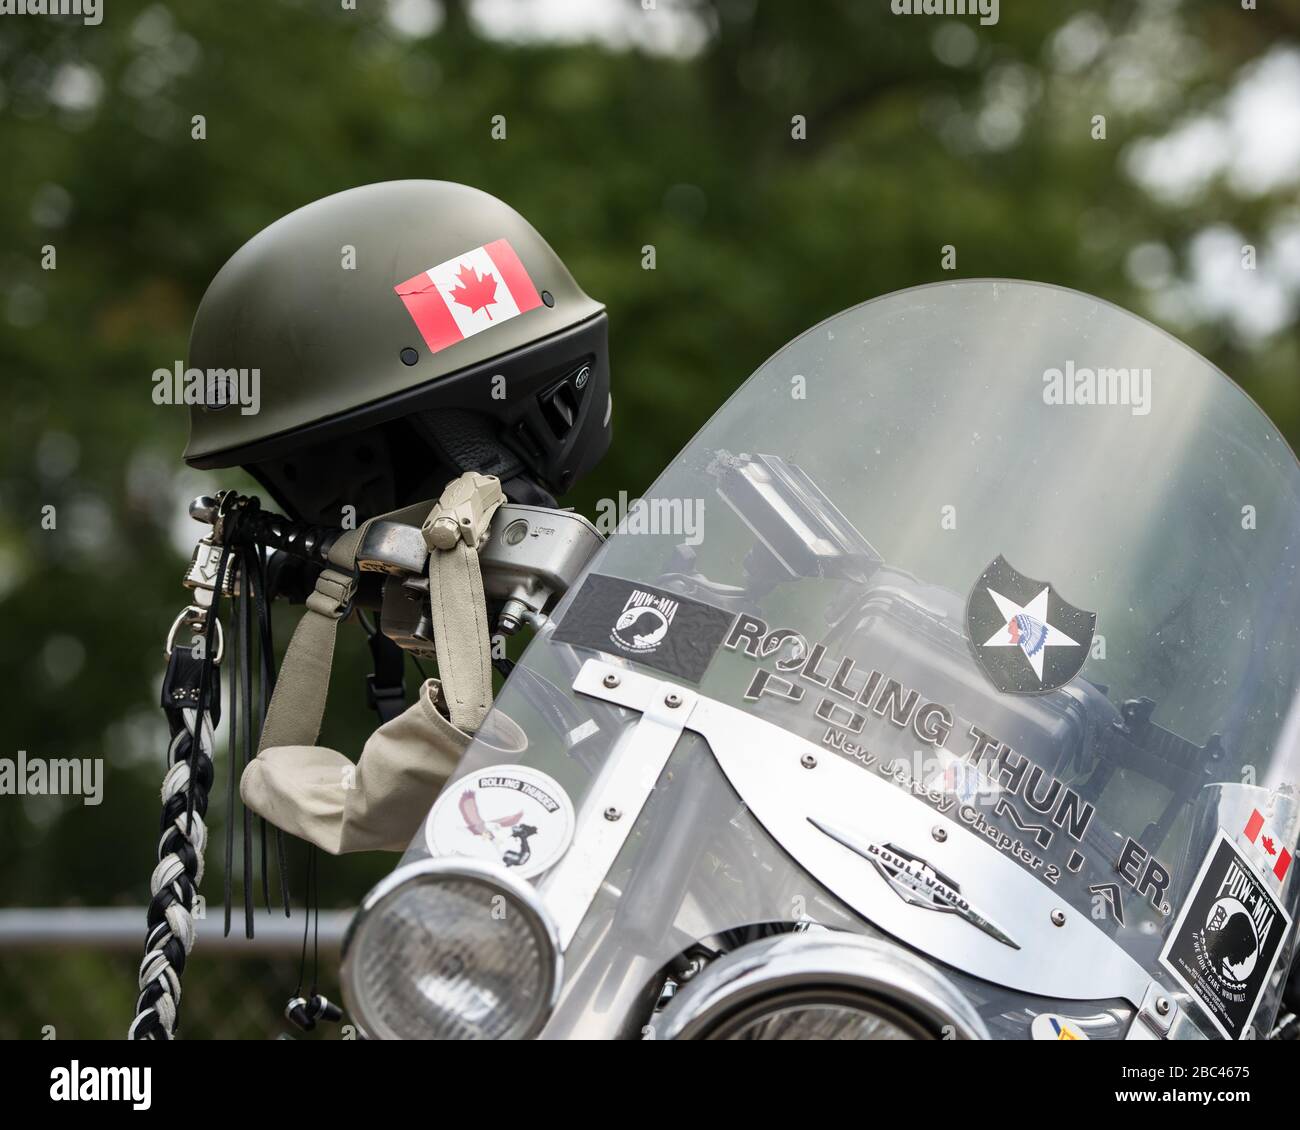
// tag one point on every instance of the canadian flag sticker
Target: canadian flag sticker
(468, 294)
(1268, 844)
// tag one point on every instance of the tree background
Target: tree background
(629, 123)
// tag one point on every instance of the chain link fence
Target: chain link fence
(71, 974)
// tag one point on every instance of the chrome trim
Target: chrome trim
(392, 547)
(624, 784)
(915, 881)
(788, 962)
(531, 570)
(1161, 1018)
(556, 547)
(523, 896)
(1067, 960)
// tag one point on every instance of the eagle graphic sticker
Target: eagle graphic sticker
(513, 815)
(1024, 636)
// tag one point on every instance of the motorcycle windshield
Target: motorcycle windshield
(979, 610)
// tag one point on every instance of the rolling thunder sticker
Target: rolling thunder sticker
(508, 814)
(1227, 939)
(1021, 809)
(466, 295)
(663, 630)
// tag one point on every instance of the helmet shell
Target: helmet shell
(310, 304)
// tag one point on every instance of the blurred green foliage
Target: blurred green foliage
(920, 133)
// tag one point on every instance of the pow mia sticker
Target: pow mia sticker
(508, 814)
(1025, 637)
(1227, 939)
(663, 630)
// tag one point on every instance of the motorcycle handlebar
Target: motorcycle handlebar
(265, 527)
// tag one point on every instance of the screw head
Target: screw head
(611, 681)
(1162, 1006)
(672, 700)
(612, 814)
(939, 833)
(696, 964)
(1058, 917)
(808, 761)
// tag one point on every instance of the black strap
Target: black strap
(180, 689)
(232, 774)
(244, 611)
(385, 687)
(266, 687)
(206, 683)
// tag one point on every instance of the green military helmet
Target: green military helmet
(370, 346)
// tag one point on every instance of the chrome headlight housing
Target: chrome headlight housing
(822, 986)
(451, 949)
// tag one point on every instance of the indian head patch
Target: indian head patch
(1024, 635)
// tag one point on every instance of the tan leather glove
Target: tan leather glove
(376, 804)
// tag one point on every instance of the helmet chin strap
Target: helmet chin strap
(454, 530)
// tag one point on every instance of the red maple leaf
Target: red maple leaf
(474, 290)
(1267, 842)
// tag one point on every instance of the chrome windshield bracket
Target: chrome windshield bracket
(621, 788)
(1160, 1018)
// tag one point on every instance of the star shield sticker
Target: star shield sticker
(1024, 636)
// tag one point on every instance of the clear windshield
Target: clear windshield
(900, 480)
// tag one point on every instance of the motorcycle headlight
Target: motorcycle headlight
(450, 950)
(820, 987)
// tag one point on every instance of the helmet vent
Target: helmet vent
(560, 407)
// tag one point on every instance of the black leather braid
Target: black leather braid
(182, 838)
(191, 700)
